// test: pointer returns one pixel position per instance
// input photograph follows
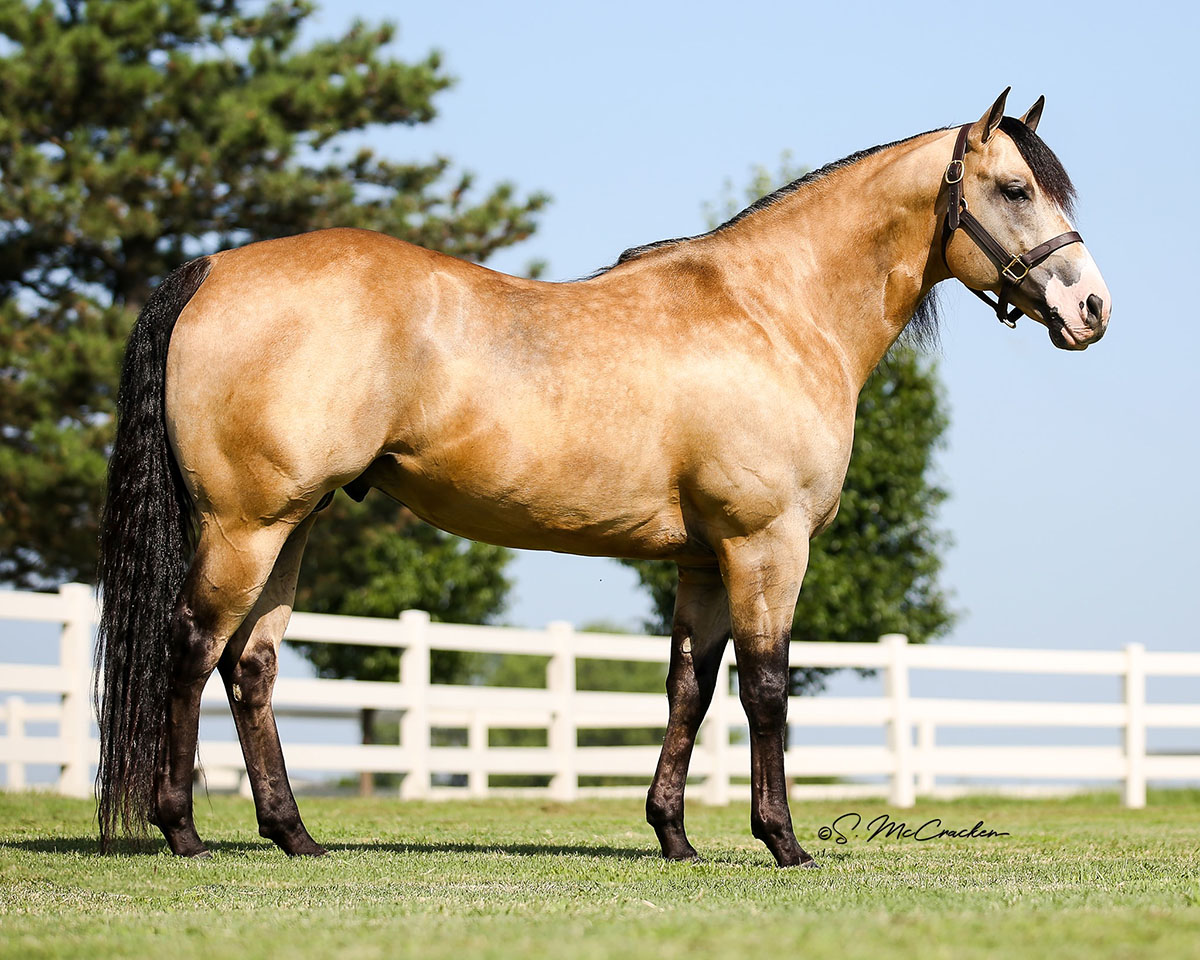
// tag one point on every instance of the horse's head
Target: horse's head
(1011, 189)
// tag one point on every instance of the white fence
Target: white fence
(907, 765)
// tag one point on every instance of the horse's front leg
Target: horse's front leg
(698, 636)
(763, 575)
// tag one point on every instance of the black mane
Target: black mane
(762, 202)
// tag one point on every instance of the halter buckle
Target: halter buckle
(1010, 275)
(958, 167)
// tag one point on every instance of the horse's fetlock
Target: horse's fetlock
(773, 822)
(662, 810)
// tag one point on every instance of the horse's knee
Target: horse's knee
(764, 697)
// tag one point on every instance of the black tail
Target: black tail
(146, 543)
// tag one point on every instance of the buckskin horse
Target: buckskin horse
(694, 403)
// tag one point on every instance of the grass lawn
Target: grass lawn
(1076, 878)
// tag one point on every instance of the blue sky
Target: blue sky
(1072, 475)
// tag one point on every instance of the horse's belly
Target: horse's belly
(566, 512)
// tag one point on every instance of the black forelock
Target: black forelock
(1047, 169)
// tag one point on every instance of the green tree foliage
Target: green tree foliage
(875, 570)
(137, 134)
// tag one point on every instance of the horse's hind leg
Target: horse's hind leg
(698, 636)
(249, 666)
(232, 563)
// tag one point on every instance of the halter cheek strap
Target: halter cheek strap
(1013, 269)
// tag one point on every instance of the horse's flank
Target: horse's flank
(693, 393)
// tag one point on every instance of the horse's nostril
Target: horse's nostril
(1095, 310)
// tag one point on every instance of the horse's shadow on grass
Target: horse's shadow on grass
(509, 849)
(90, 846)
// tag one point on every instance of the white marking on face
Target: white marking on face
(686, 646)
(1070, 301)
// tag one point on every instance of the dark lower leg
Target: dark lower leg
(248, 684)
(763, 679)
(697, 643)
(173, 800)
(221, 587)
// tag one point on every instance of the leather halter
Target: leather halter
(1013, 269)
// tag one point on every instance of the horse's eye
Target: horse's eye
(1015, 192)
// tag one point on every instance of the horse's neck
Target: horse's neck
(851, 254)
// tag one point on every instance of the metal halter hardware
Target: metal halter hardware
(1013, 269)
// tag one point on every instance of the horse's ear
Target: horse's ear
(982, 131)
(1034, 114)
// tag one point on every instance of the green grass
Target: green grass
(527, 879)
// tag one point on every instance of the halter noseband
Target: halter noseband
(1013, 270)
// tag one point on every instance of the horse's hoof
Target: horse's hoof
(680, 852)
(200, 855)
(807, 864)
(304, 846)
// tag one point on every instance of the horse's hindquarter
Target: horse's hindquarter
(272, 373)
(586, 418)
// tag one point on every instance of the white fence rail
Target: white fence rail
(908, 765)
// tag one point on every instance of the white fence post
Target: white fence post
(14, 720)
(1135, 726)
(414, 725)
(477, 745)
(75, 657)
(715, 741)
(926, 743)
(560, 681)
(900, 725)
